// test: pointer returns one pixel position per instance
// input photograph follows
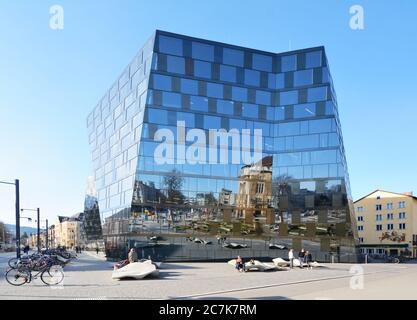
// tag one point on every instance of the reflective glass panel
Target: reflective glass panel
(202, 51)
(252, 77)
(227, 73)
(199, 103)
(313, 59)
(233, 57)
(176, 64)
(161, 82)
(189, 86)
(303, 77)
(170, 45)
(262, 62)
(214, 90)
(239, 94)
(288, 63)
(202, 69)
(288, 97)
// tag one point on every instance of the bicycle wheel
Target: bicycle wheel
(53, 275)
(17, 277)
(13, 263)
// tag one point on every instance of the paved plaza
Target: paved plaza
(89, 277)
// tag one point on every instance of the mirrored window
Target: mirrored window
(214, 90)
(317, 94)
(225, 107)
(171, 99)
(288, 97)
(189, 86)
(227, 73)
(157, 116)
(313, 59)
(252, 77)
(187, 117)
(212, 122)
(262, 62)
(250, 110)
(202, 69)
(304, 110)
(202, 51)
(170, 45)
(176, 64)
(303, 77)
(263, 97)
(288, 63)
(161, 82)
(239, 94)
(233, 57)
(199, 103)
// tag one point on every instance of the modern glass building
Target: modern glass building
(166, 193)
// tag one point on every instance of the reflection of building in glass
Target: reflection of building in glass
(387, 223)
(298, 194)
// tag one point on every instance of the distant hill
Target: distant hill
(28, 230)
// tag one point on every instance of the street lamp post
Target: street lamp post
(17, 191)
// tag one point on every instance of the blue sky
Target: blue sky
(51, 79)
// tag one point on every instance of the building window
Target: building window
(227, 73)
(317, 94)
(401, 204)
(313, 59)
(360, 240)
(259, 188)
(401, 215)
(202, 69)
(379, 217)
(390, 206)
(288, 97)
(360, 228)
(189, 86)
(359, 209)
(390, 216)
(378, 207)
(161, 82)
(288, 63)
(360, 218)
(170, 45)
(176, 64)
(303, 78)
(390, 226)
(214, 90)
(233, 57)
(379, 227)
(202, 51)
(401, 226)
(252, 77)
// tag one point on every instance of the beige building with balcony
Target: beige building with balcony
(387, 223)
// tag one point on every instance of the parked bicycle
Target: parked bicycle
(49, 273)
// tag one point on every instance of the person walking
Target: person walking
(308, 259)
(97, 250)
(291, 258)
(301, 256)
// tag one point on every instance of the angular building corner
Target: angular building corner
(297, 195)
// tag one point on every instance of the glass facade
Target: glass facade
(296, 194)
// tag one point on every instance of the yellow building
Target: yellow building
(387, 223)
(67, 232)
